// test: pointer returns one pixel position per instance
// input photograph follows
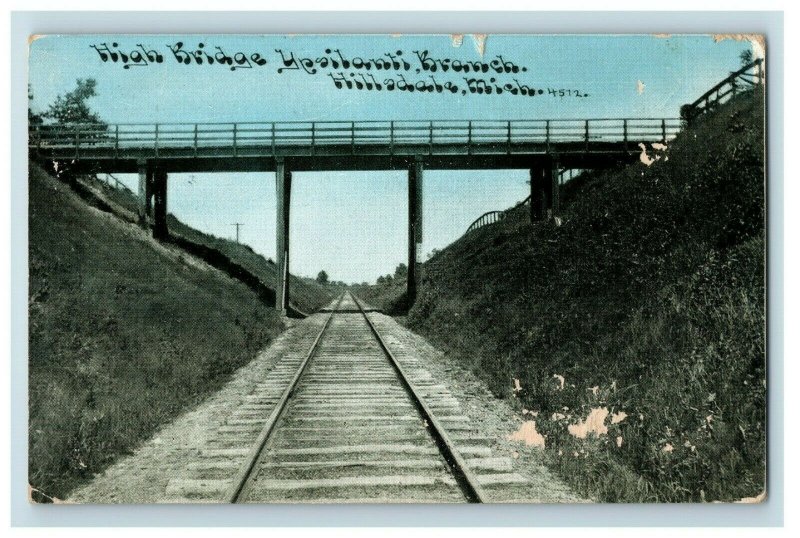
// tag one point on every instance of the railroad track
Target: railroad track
(346, 421)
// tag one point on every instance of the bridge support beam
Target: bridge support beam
(148, 196)
(415, 173)
(159, 188)
(555, 188)
(142, 198)
(539, 198)
(145, 194)
(544, 189)
(283, 186)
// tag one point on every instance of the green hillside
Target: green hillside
(125, 333)
(647, 298)
(306, 295)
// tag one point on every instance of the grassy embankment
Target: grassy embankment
(239, 260)
(390, 297)
(648, 300)
(125, 333)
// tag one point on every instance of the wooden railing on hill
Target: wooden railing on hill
(491, 217)
(112, 181)
(745, 79)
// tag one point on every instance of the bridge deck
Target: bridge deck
(347, 145)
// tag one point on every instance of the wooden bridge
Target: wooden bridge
(154, 150)
(544, 147)
(365, 145)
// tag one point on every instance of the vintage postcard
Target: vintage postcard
(397, 268)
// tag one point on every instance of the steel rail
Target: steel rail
(465, 478)
(234, 494)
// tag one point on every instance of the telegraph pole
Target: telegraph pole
(238, 225)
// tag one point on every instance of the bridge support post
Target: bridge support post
(415, 173)
(539, 192)
(544, 190)
(144, 176)
(555, 189)
(160, 230)
(148, 196)
(283, 185)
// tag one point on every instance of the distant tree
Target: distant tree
(746, 57)
(433, 253)
(322, 277)
(401, 271)
(72, 107)
(387, 279)
(381, 280)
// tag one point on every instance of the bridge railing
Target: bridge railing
(271, 136)
(745, 79)
(112, 181)
(491, 217)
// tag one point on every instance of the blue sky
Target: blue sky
(353, 225)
